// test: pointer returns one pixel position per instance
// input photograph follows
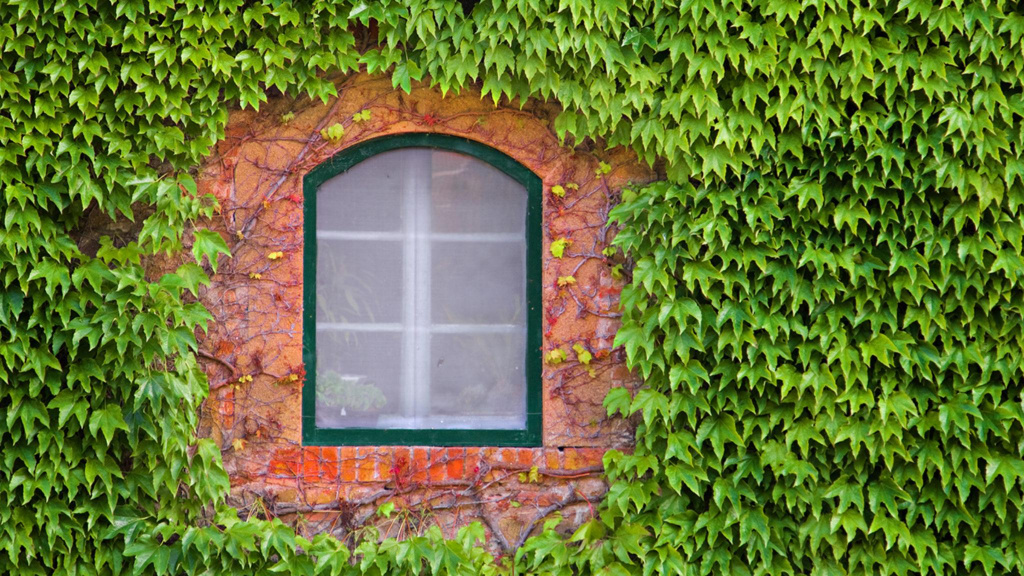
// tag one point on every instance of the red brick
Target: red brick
(456, 465)
(288, 495)
(573, 460)
(311, 464)
(347, 464)
(419, 465)
(285, 463)
(576, 458)
(472, 462)
(457, 468)
(525, 457)
(367, 465)
(438, 460)
(314, 496)
(490, 455)
(553, 459)
(593, 456)
(401, 463)
(385, 464)
(317, 517)
(508, 456)
(328, 464)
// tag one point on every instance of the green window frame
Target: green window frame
(531, 435)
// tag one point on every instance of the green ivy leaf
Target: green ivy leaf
(333, 133)
(555, 357)
(582, 354)
(558, 247)
(108, 421)
(210, 244)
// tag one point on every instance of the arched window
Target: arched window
(421, 320)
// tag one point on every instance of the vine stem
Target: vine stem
(216, 360)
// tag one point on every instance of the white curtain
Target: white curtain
(421, 294)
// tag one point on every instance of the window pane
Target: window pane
(470, 195)
(421, 308)
(368, 196)
(478, 282)
(358, 281)
(478, 380)
(358, 377)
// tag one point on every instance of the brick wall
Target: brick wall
(252, 352)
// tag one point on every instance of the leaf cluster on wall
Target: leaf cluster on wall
(825, 300)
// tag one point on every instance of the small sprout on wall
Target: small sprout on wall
(386, 509)
(582, 354)
(609, 251)
(572, 186)
(564, 281)
(533, 476)
(275, 255)
(238, 444)
(617, 271)
(361, 116)
(287, 117)
(603, 168)
(555, 357)
(255, 275)
(558, 247)
(333, 133)
(557, 190)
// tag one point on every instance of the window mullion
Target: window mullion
(423, 284)
(408, 378)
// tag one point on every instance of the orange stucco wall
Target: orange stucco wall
(252, 352)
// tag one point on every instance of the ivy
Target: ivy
(825, 300)
(558, 246)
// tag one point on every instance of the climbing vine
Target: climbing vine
(825, 298)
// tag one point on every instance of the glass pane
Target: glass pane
(470, 195)
(478, 283)
(478, 380)
(368, 196)
(358, 281)
(358, 375)
(421, 308)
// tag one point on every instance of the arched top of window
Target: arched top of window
(421, 321)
